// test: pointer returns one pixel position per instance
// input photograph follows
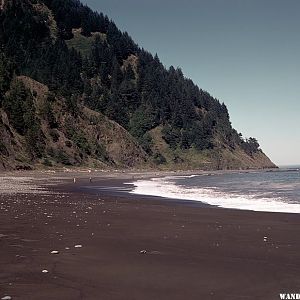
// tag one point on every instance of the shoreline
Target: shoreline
(139, 247)
(128, 186)
(120, 173)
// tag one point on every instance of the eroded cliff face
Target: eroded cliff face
(90, 139)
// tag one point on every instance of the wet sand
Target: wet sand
(136, 248)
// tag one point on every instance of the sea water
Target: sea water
(272, 191)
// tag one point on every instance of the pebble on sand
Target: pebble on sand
(6, 298)
(54, 252)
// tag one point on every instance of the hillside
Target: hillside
(75, 90)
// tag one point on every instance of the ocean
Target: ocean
(271, 191)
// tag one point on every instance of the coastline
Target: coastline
(140, 247)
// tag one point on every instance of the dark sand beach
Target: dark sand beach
(141, 248)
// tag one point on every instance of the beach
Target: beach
(67, 241)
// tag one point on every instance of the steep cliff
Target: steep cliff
(75, 90)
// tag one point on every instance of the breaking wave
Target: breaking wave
(260, 201)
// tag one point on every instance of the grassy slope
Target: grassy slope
(82, 43)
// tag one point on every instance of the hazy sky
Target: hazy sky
(243, 52)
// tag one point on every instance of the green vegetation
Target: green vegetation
(19, 106)
(86, 61)
(82, 44)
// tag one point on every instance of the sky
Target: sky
(246, 53)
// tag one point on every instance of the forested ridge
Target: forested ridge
(61, 65)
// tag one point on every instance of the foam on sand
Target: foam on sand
(163, 187)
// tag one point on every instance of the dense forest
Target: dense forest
(85, 61)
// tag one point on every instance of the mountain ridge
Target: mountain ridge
(75, 90)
